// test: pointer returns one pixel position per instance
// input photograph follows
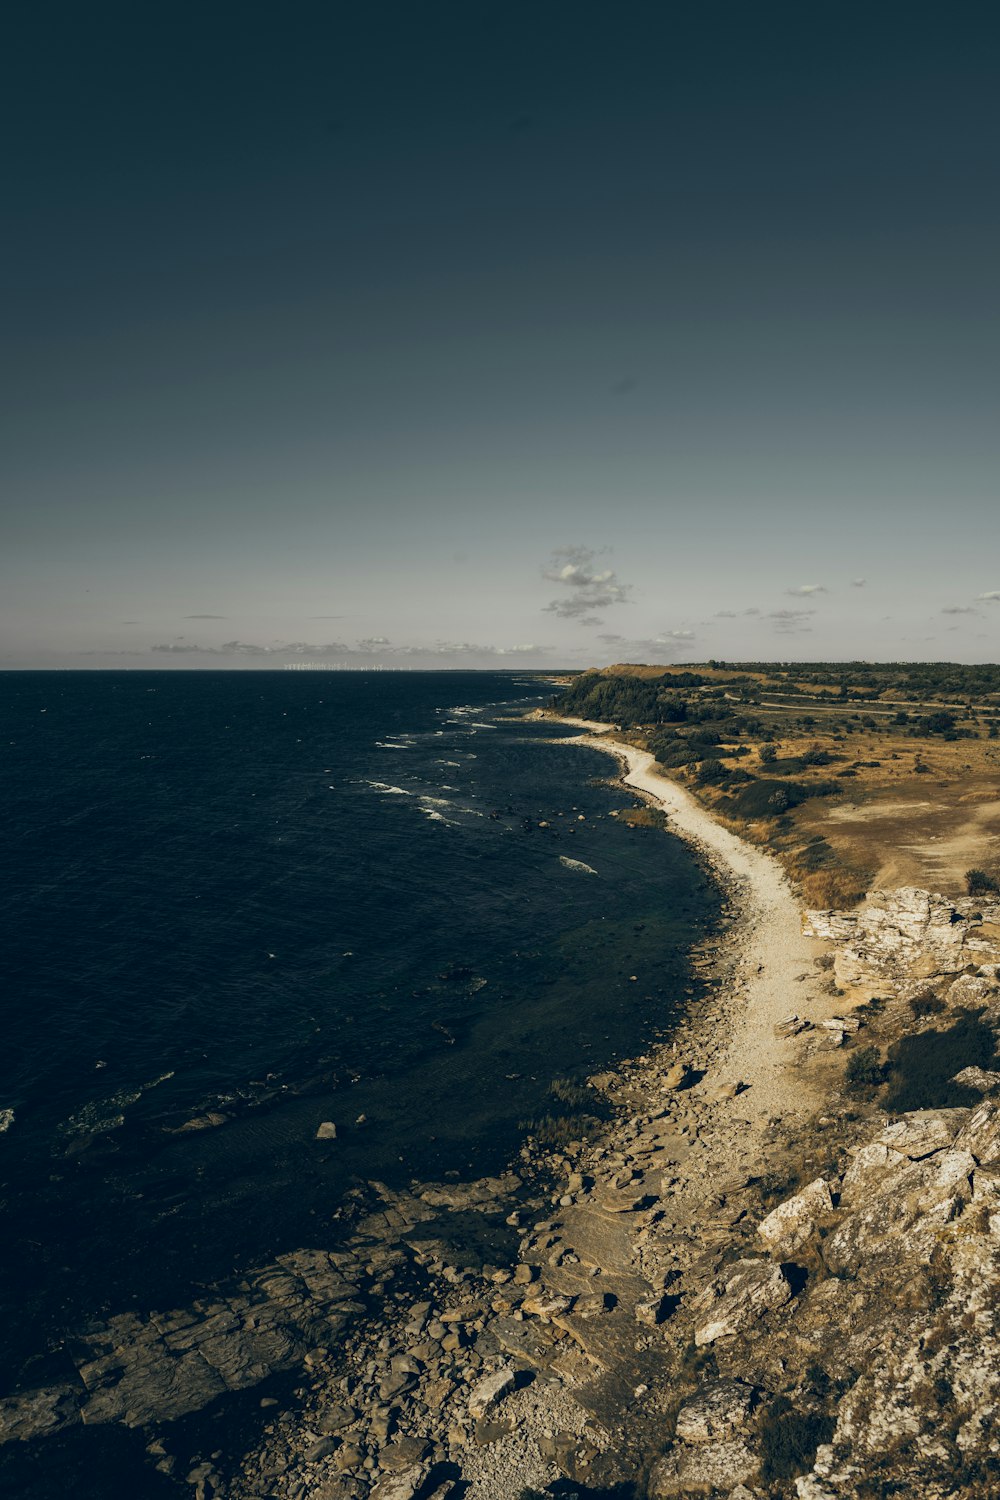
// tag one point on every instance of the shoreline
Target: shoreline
(626, 1215)
(419, 1366)
(765, 934)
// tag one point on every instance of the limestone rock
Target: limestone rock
(972, 990)
(327, 1131)
(402, 1486)
(981, 1133)
(716, 1411)
(791, 1026)
(790, 1225)
(546, 1305)
(751, 1288)
(923, 1131)
(901, 1215)
(487, 1393)
(896, 933)
(676, 1076)
(707, 1469)
(653, 1310)
(981, 1079)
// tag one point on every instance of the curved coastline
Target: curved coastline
(765, 948)
(610, 1223)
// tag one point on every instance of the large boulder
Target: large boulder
(923, 1131)
(789, 1226)
(717, 1410)
(751, 1288)
(900, 1217)
(981, 1133)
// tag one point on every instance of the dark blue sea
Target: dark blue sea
(285, 898)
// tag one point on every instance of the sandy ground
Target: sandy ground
(772, 953)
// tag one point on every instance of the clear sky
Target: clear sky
(508, 334)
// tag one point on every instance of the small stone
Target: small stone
(489, 1391)
(322, 1449)
(653, 1310)
(327, 1131)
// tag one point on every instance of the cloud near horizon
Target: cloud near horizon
(804, 590)
(370, 648)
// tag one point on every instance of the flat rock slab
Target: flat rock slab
(923, 1132)
(707, 1469)
(487, 1393)
(752, 1288)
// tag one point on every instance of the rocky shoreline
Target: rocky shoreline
(750, 1281)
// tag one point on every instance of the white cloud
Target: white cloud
(589, 588)
(804, 590)
(993, 597)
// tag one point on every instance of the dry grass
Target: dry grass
(892, 824)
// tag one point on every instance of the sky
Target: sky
(485, 334)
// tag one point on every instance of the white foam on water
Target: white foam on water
(577, 864)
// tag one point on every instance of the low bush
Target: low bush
(978, 883)
(864, 1069)
(927, 1004)
(789, 1439)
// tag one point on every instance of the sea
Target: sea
(384, 900)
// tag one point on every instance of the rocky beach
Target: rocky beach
(752, 1279)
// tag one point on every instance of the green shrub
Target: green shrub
(978, 883)
(711, 772)
(864, 1068)
(927, 1004)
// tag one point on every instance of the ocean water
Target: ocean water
(289, 898)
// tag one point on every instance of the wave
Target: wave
(577, 864)
(383, 786)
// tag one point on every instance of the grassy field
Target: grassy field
(856, 775)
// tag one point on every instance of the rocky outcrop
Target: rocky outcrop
(906, 933)
(141, 1370)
